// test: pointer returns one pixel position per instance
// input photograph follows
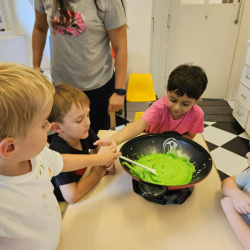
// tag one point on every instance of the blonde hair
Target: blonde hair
(65, 96)
(24, 92)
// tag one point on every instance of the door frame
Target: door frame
(239, 53)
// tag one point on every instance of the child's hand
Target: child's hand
(99, 170)
(108, 155)
(106, 142)
(111, 169)
(241, 202)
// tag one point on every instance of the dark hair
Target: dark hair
(63, 6)
(188, 79)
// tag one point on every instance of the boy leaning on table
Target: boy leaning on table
(70, 121)
(30, 217)
(177, 111)
(236, 204)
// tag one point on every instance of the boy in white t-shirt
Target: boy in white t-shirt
(30, 217)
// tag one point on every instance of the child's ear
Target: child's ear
(198, 100)
(7, 147)
(56, 127)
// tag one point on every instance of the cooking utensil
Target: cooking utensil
(153, 171)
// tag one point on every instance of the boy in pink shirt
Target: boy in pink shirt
(177, 111)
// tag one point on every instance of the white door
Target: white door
(2, 17)
(202, 32)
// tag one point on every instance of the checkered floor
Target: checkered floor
(228, 144)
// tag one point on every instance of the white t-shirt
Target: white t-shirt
(30, 217)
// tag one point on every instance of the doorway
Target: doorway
(201, 32)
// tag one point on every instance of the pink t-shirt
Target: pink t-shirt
(159, 119)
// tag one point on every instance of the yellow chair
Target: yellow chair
(138, 115)
(140, 89)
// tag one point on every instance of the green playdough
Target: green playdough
(171, 169)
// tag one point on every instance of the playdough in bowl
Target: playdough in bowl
(171, 169)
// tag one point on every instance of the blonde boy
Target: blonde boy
(29, 213)
(70, 120)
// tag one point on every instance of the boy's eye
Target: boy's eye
(79, 121)
(186, 105)
(45, 124)
(172, 100)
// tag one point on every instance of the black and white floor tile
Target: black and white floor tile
(228, 144)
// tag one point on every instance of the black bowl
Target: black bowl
(153, 143)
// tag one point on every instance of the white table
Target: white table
(112, 217)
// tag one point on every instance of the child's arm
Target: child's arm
(189, 135)
(105, 156)
(241, 200)
(239, 226)
(72, 192)
(128, 132)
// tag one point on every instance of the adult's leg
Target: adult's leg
(99, 102)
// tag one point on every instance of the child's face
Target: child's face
(36, 139)
(179, 105)
(76, 122)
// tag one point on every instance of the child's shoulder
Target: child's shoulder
(47, 155)
(59, 145)
(161, 103)
(244, 174)
(243, 180)
(196, 111)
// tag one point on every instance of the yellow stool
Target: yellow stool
(138, 115)
(140, 89)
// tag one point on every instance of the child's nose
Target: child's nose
(177, 107)
(87, 123)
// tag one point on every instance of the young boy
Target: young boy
(236, 204)
(175, 112)
(30, 217)
(70, 121)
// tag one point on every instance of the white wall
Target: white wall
(139, 32)
(157, 12)
(139, 18)
(14, 49)
(24, 15)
